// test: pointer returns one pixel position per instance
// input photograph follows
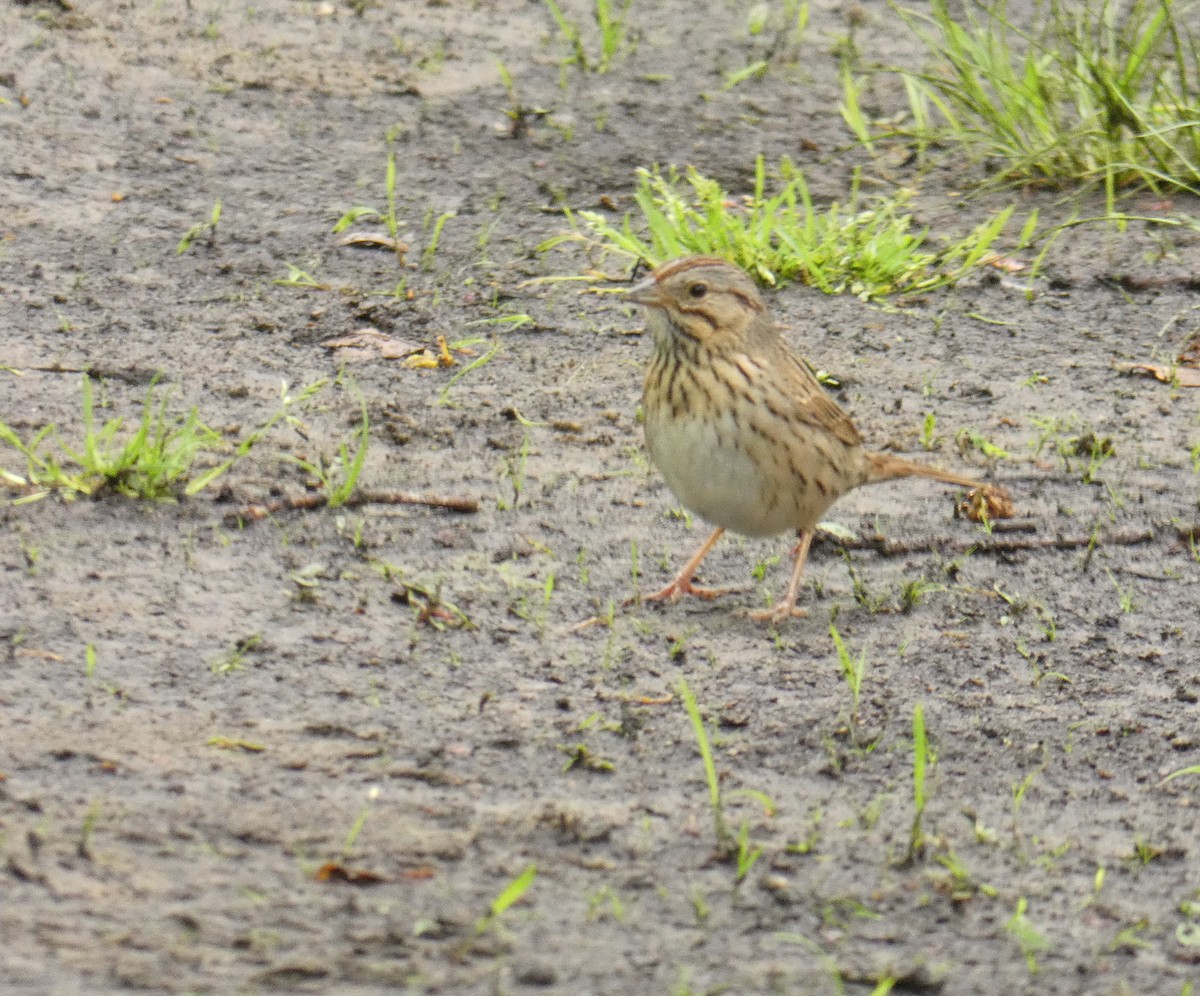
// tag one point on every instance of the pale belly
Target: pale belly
(724, 484)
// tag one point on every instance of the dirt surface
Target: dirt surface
(166, 812)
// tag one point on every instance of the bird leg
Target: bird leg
(785, 608)
(682, 585)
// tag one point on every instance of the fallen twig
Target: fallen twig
(889, 547)
(450, 503)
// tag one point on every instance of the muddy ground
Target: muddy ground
(284, 768)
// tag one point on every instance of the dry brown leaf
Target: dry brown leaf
(1189, 356)
(41, 655)
(1167, 373)
(427, 359)
(374, 240)
(1006, 263)
(419, 874)
(331, 871)
(988, 503)
(370, 344)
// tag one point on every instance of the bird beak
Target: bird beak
(645, 293)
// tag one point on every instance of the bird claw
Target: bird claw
(678, 588)
(779, 613)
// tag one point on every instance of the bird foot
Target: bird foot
(683, 586)
(778, 613)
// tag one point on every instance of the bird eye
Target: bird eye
(698, 290)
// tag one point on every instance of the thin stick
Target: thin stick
(994, 544)
(450, 503)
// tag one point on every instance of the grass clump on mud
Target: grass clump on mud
(610, 27)
(869, 246)
(167, 457)
(1094, 93)
(734, 848)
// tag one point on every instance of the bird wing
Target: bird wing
(813, 403)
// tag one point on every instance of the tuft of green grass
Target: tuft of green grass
(297, 277)
(235, 659)
(736, 848)
(923, 757)
(435, 238)
(1071, 438)
(1096, 92)
(84, 846)
(853, 669)
(536, 609)
(510, 894)
(610, 18)
(614, 33)
(874, 604)
(914, 591)
(520, 117)
(783, 28)
(968, 439)
(390, 216)
(1129, 939)
(961, 884)
(479, 361)
(1126, 594)
(929, 437)
(726, 846)
(198, 229)
(513, 468)
(389, 187)
(580, 756)
(755, 70)
(605, 902)
(1031, 940)
(155, 463)
(360, 821)
(746, 853)
(779, 32)
(882, 987)
(158, 462)
(869, 246)
(1180, 772)
(1019, 791)
(339, 477)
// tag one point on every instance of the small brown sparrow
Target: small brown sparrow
(741, 430)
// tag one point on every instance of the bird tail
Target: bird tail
(884, 467)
